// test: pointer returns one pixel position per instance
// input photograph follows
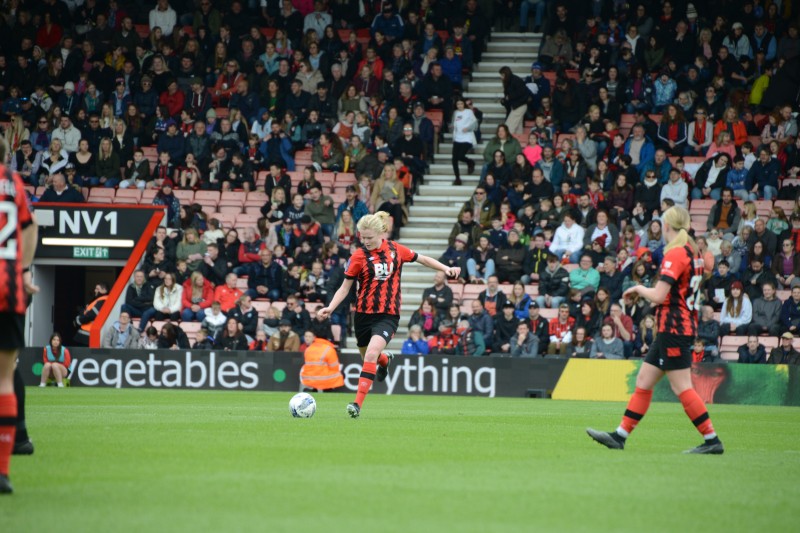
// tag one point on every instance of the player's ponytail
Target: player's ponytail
(378, 222)
(679, 219)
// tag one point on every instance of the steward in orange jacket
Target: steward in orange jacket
(85, 321)
(321, 368)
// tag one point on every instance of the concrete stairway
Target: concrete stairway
(438, 202)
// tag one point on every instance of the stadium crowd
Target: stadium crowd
(628, 109)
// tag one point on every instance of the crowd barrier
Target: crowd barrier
(567, 379)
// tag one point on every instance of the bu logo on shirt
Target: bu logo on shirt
(383, 271)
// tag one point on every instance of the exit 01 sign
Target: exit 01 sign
(89, 252)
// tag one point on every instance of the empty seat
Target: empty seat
(231, 197)
(207, 195)
(243, 219)
(126, 200)
(229, 209)
(129, 193)
(102, 192)
(148, 195)
(186, 196)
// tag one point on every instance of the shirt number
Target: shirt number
(693, 301)
(8, 242)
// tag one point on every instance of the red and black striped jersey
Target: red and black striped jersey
(378, 275)
(683, 270)
(14, 217)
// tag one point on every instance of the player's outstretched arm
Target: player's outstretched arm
(338, 298)
(655, 295)
(450, 272)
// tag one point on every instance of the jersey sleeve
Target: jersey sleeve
(355, 264)
(21, 200)
(406, 255)
(675, 262)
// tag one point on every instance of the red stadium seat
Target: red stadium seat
(130, 193)
(186, 196)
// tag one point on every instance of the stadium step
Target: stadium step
(438, 202)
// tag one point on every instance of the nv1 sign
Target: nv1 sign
(89, 252)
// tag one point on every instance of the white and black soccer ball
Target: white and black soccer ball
(302, 405)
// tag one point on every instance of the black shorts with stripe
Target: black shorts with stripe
(367, 325)
(671, 352)
(12, 331)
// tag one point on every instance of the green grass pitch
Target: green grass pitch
(145, 461)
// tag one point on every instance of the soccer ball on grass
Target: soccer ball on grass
(302, 405)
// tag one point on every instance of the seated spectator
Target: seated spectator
(321, 369)
(510, 258)
(56, 361)
(766, 313)
(585, 279)
(623, 329)
(588, 317)
(260, 343)
(149, 341)
(61, 191)
(581, 344)
(568, 239)
(764, 176)
(786, 265)
(266, 279)
(737, 311)
(505, 325)
(172, 337)
(246, 316)
(645, 336)
(445, 340)
(166, 302)
(415, 344)
(203, 341)
(553, 284)
(481, 321)
(297, 315)
(711, 178)
(560, 329)
(790, 312)
(231, 337)
(121, 334)
(523, 343)
(427, 317)
(784, 354)
(719, 285)
(753, 352)
(470, 342)
(708, 329)
(198, 294)
(214, 320)
(138, 296)
(607, 346)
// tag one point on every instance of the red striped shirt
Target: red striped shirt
(683, 270)
(14, 217)
(378, 275)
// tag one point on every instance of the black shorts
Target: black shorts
(12, 331)
(367, 325)
(671, 352)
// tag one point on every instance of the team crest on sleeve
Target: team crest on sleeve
(667, 264)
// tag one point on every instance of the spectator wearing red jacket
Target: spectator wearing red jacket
(198, 295)
(249, 252)
(173, 99)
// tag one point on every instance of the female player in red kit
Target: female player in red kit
(676, 297)
(376, 265)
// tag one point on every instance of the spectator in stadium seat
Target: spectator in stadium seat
(708, 329)
(68, 134)
(659, 164)
(700, 133)
(737, 311)
(790, 312)
(786, 265)
(623, 328)
(231, 338)
(611, 278)
(764, 236)
(266, 279)
(725, 215)
(509, 259)
(481, 321)
(753, 352)
(440, 293)
(560, 329)
(191, 249)
(166, 302)
(607, 346)
(171, 202)
(523, 343)
(59, 191)
(198, 294)
(163, 16)
(568, 239)
(138, 296)
(121, 334)
(676, 189)
(726, 253)
(505, 325)
(214, 267)
(766, 313)
(245, 315)
(784, 354)
(756, 276)
(588, 317)
(466, 225)
(639, 148)
(763, 177)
